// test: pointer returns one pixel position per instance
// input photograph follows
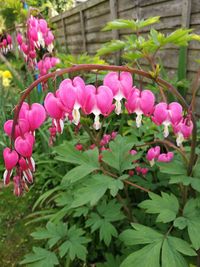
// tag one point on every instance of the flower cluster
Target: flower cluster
(5, 43)
(73, 95)
(31, 117)
(44, 65)
(38, 37)
(74, 98)
(154, 154)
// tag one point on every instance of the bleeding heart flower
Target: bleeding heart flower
(36, 115)
(20, 129)
(153, 154)
(55, 109)
(121, 85)
(141, 170)
(133, 152)
(98, 101)
(19, 39)
(165, 157)
(167, 114)
(10, 159)
(183, 130)
(24, 108)
(24, 145)
(71, 94)
(140, 102)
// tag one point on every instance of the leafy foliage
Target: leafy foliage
(40, 258)
(166, 205)
(159, 248)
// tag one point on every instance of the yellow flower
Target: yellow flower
(6, 82)
(6, 77)
(7, 74)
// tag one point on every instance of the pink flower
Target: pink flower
(23, 110)
(113, 135)
(131, 172)
(24, 145)
(71, 94)
(105, 140)
(10, 159)
(36, 115)
(165, 157)
(55, 109)
(167, 114)
(121, 85)
(19, 39)
(98, 101)
(153, 154)
(44, 65)
(140, 102)
(21, 127)
(183, 130)
(79, 147)
(141, 170)
(133, 152)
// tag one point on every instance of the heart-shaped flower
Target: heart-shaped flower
(121, 85)
(24, 145)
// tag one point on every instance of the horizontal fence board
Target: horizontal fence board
(96, 24)
(126, 4)
(99, 37)
(98, 10)
(163, 9)
(71, 20)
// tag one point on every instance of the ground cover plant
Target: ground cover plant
(123, 187)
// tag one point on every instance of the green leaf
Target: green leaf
(148, 256)
(166, 205)
(180, 245)
(175, 167)
(77, 173)
(140, 235)
(134, 25)
(107, 213)
(119, 157)
(192, 214)
(171, 257)
(111, 47)
(180, 223)
(186, 180)
(179, 37)
(53, 232)
(74, 246)
(68, 153)
(93, 189)
(120, 24)
(40, 258)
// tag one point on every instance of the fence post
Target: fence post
(83, 30)
(183, 52)
(115, 33)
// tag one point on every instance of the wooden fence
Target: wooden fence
(79, 29)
